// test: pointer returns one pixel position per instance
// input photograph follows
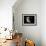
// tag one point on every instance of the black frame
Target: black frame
(31, 17)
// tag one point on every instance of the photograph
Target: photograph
(29, 19)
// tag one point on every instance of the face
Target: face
(28, 19)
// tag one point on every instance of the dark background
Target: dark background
(31, 19)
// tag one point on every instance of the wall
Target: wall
(6, 13)
(28, 7)
(43, 22)
(6, 19)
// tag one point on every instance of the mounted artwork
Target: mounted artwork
(29, 19)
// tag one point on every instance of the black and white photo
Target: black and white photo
(29, 19)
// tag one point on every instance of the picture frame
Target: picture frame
(29, 19)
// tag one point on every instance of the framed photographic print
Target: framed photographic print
(29, 19)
